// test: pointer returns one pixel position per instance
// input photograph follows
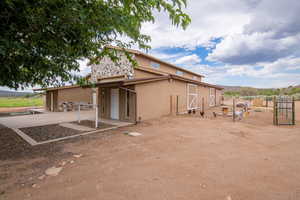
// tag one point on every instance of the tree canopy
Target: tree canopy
(41, 41)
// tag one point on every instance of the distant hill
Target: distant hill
(4, 93)
(233, 88)
(251, 91)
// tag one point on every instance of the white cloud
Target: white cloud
(210, 19)
(166, 56)
(260, 40)
(272, 33)
(188, 60)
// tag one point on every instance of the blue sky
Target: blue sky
(196, 60)
(232, 42)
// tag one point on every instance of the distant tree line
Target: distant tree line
(248, 91)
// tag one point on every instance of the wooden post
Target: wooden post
(233, 109)
(202, 104)
(135, 108)
(267, 101)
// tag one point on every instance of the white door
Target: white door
(114, 104)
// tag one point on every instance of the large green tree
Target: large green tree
(41, 41)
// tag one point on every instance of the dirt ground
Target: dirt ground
(183, 157)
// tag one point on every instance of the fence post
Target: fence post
(274, 110)
(293, 111)
(233, 110)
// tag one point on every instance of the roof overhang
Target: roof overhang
(57, 88)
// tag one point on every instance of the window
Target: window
(195, 78)
(155, 65)
(180, 73)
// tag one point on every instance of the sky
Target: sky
(232, 42)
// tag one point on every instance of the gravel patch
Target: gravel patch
(91, 124)
(49, 132)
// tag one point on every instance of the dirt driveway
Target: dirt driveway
(175, 158)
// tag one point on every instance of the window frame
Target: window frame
(154, 65)
(179, 73)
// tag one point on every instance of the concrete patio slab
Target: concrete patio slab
(54, 118)
(45, 119)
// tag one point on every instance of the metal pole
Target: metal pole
(293, 111)
(276, 111)
(78, 113)
(96, 121)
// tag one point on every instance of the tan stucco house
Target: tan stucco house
(151, 89)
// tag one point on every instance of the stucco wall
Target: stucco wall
(203, 94)
(107, 68)
(153, 100)
(75, 95)
(179, 88)
(141, 74)
(157, 99)
(145, 62)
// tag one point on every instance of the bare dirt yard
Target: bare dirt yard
(181, 157)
